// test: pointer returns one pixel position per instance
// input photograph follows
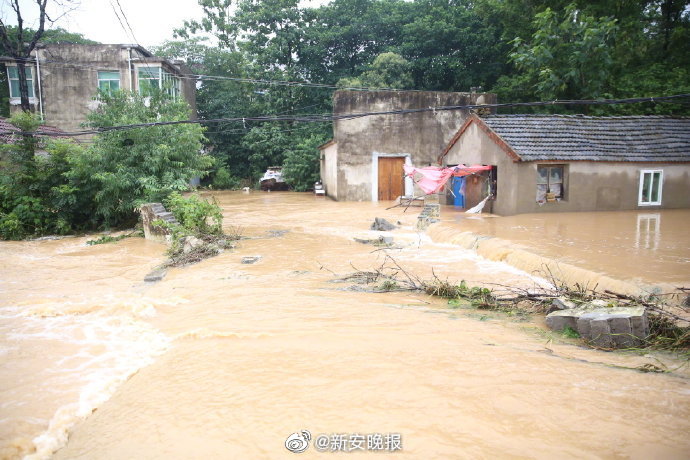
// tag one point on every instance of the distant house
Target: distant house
(9, 135)
(63, 79)
(561, 163)
(364, 161)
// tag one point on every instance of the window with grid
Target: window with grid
(149, 80)
(171, 85)
(651, 183)
(550, 186)
(13, 78)
(108, 81)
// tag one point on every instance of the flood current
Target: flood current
(226, 360)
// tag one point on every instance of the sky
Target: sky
(152, 21)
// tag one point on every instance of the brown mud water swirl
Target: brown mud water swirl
(222, 359)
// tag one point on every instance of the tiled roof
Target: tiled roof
(579, 137)
(8, 132)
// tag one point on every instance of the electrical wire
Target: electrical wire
(204, 77)
(327, 118)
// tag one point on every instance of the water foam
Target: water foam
(107, 343)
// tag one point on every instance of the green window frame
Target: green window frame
(109, 81)
(651, 187)
(550, 180)
(13, 79)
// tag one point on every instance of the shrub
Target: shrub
(223, 180)
(195, 215)
(130, 167)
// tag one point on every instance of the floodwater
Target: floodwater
(226, 360)
(623, 251)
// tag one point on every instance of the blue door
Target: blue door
(459, 191)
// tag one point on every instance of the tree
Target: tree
(20, 45)
(389, 70)
(126, 168)
(216, 21)
(569, 55)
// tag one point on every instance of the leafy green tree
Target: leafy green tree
(132, 166)
(217, 21)
(301, 165)
(569, 56)
(451, 46)
(389, 70)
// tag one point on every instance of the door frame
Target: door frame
(409, 185)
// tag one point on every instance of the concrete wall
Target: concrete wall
(604, 186)
(329, 168)
(589, 185)
(420, 137)
(67, 91)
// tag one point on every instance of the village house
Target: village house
(364, 160)
(562, 163)
(9, 134)
(64, 79)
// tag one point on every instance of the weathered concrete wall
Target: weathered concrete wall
(475, 147)
(599, 186)
(68, 90)
(419, 136)
(329, 168)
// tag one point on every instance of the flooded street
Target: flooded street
(622, 251)
(226, 360)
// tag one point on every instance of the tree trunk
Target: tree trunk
(23, 87)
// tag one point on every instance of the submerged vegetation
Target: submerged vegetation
(198, 234)
(667, 330)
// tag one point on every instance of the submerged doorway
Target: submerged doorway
(391, 182)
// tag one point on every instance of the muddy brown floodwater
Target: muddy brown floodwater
(225, 360)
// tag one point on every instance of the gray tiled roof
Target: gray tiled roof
(578, 137)
(8, 132)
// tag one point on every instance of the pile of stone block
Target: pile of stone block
(600, 324)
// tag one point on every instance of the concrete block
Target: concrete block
(561, 303)
(621, 332)
(155, 275)
(600, 333)
(559, 323)
(607, 327)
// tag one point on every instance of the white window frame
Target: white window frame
(164, 78)
(99, 79)
(30, 82)
(644, 172)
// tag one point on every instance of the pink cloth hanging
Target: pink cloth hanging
(433, 178)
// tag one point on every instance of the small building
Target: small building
(364, 161)
(64, 79)
(9, 134)
(562, 163)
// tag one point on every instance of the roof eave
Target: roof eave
(474, 118)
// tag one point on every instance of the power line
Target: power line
(324, 118)
(257, 81)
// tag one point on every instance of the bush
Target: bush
(223, 180)
(75, 189)
(195, 215)
(127, 168)
(36, 197)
